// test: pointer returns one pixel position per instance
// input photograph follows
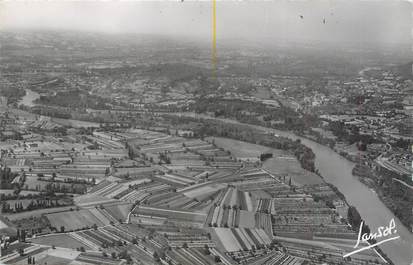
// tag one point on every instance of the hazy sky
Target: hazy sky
(345, 20)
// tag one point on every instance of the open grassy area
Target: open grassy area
(53, 260)
(72, 220)
(290, 167)
(59, 240)
(2, 225)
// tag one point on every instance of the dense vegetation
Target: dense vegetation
(350, 134)
(399, 199)
(74, 99)
(257, 113)
(6, 178)
(13, 94)
(34, 204)
(265, 156)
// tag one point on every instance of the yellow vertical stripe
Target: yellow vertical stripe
(214, 38)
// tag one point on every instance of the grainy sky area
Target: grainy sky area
(385, 21)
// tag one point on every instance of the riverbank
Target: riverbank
(383, 187)
(370, 178)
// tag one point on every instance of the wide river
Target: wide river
(337, 170)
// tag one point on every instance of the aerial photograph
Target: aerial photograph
(201, 132)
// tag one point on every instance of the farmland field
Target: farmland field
(75, 123)
(204, 190)
(72, 220)
(51, 259)
(90, 199)
(34, 184)
(236, 239)
(6, 192)
(247, 219)
(192, 256)
(59, 240)
(183, 216)
(97, 259)
(2, 225)
(118, 211)
(288, 165)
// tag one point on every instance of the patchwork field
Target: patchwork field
(73, 220)
(238, 239)
(59, 240)
(202, 190)
(86, 218)
(160, 215)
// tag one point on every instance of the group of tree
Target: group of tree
(12, 93)
(265, 156)
(250, 112)
(355, 220)
(350, 134)
(306, 157)
(21, 235)
(53, 187)
(6, 207)
(6, 178)
(75, 98)
(31, 260)
(34, 205)
(163, 157)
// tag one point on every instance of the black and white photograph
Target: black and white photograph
(203, 132)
